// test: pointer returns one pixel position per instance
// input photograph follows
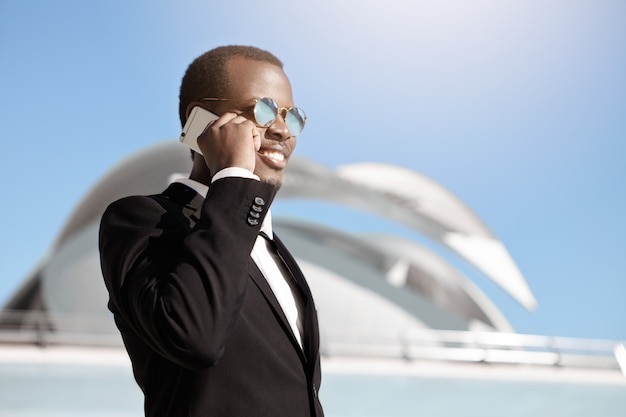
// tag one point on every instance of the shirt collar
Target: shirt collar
(198, 187)
(203, 189)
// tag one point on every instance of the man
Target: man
(213, 310)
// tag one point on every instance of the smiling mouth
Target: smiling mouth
(275, 157)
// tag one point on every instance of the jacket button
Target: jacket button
(252, 221)
(257, 208)
(259, 201)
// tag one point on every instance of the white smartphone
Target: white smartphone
(195, 125)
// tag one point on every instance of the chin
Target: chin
(276, 182)
(270, 176)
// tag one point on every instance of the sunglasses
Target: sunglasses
(266, 111)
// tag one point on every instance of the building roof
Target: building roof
(412, 285)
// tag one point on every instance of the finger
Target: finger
(208, 126)
(224, 119)
(256, 138)
(240, 119)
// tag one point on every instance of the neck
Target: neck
(200, 172)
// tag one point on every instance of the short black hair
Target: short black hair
(206, 75)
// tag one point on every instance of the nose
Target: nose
(278, 130)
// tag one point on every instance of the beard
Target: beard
(276, 183)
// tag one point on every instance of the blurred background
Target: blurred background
(516, 107)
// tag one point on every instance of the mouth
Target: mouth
(273, 158)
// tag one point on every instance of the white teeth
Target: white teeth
(276, 156)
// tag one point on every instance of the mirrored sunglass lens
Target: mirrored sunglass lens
(295, 120)
(265, 111)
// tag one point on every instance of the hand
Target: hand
(230, 141)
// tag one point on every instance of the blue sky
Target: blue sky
(517, 107)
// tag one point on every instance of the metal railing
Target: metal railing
(43, 329)
(477, 347)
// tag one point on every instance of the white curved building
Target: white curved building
(410, 286)
(389, 307)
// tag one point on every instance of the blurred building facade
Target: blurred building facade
(396, 318)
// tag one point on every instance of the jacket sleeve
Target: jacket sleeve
(178, 288)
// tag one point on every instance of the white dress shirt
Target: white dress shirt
(281, 282)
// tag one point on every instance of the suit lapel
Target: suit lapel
(260, 281)
(311, 336)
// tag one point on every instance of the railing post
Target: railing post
(40, 330)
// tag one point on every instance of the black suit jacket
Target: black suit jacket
(204, 332)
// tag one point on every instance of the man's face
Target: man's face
(248, 80)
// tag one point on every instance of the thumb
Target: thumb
(256, 139)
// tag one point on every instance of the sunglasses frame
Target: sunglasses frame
(280, 111)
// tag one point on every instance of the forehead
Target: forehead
(249, 79)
